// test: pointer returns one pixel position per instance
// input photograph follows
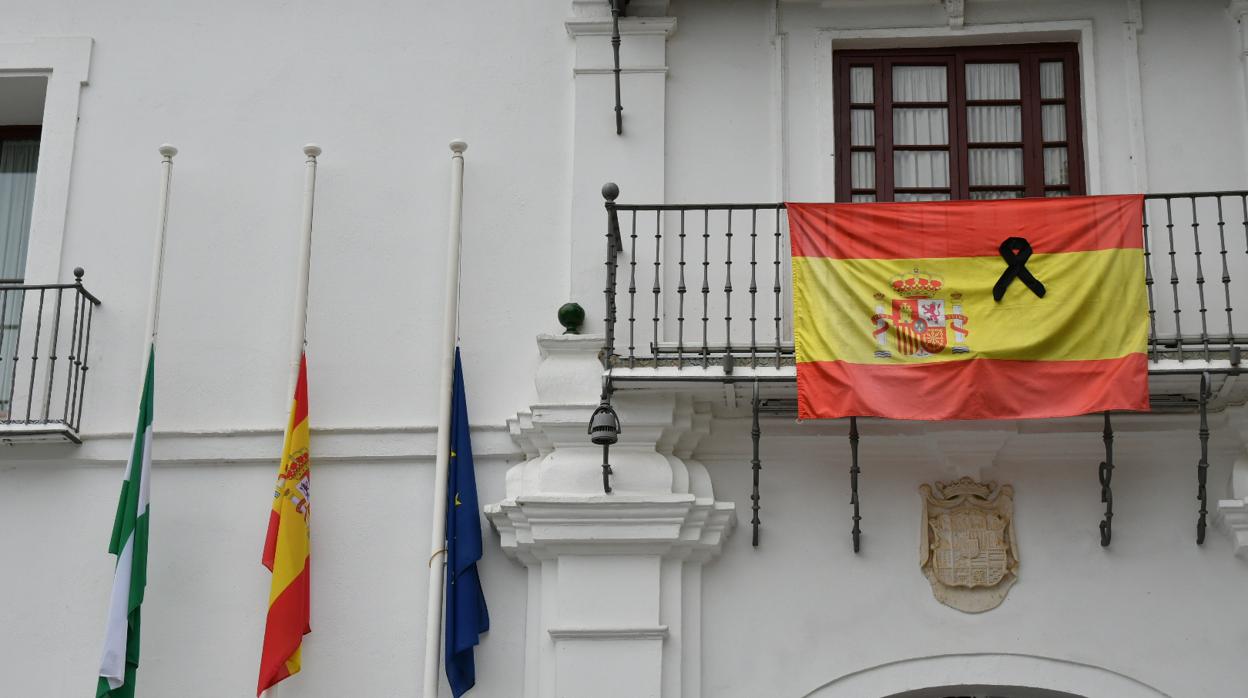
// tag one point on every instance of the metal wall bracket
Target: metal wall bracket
(856, 533)
(617, 10)
(1202, 467)
(756, 464)
(1105, 473)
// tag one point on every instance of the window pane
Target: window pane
(862, 198)
(1051, 85)
(920, 126)
(920, 83)
(986, 195)
(1056, 193)
(925, 168)
(861, 90)
(863, 175)
(999, 166)
(17, 197)
(994, 124)
(862, 127)
(992, 81)
(926, 196)
(1053, 122)
(1056, 166)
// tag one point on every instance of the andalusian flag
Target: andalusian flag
(286, 548)
(120, 662)
(970, 309)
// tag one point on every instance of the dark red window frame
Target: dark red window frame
(1028, 56)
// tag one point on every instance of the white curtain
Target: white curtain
(994, 124)
(920, 126)
(18, 159)
(17, 196)
(1053, 125)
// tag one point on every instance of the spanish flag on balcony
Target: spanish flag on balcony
(1016, 309)
(287, 547)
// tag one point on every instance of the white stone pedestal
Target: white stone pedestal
(614, 599)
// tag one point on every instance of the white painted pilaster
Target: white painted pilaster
(615, 579)
(1232, 513)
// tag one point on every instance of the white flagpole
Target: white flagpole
(158, 254)
(437, 543)
(299, 331)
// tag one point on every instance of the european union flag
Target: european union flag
(466, 616)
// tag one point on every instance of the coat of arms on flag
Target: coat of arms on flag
(920, 322)
(884, 295)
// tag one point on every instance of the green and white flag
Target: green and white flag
(120, 662)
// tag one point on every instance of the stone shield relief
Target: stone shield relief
(967, 549)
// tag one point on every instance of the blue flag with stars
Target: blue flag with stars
(466, 616)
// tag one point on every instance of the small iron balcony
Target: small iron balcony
(45, 336)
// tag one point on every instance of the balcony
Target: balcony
(45, 338)
(703, 293)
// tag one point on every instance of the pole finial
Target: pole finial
(458, 146)
(167, 150)
(610, 191)
(312, 150)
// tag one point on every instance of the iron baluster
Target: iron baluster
(82, 384)
(1174, 280)
(1200, 281)
(856, 533)
(616, 11)
(1148, 284)
(706, 285)
(658, 261)
(1202, 468)
(1105, 474)
(34, 355)
(632, 292)
(754, 288)
(680, 294)
(71, 369)
(728, 292)
(610, 192)
(755, 464)
(4, 311)
(776, 290)
(1226, 272)
(56, 332)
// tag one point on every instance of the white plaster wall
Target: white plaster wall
(802, 610)
(239, 87)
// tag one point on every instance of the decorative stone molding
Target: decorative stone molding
(955, 10)
(605, 567)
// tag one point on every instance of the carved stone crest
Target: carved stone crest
(967, 549)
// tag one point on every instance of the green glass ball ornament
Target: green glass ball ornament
(571, 316)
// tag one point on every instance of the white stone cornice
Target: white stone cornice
(629, 26)
(680, 526)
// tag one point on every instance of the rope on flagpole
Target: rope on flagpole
(433, 613)
(158, 254)
(299, 331)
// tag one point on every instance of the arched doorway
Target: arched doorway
(984, 692)
(985, 675)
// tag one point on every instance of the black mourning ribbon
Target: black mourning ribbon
(1016, 252)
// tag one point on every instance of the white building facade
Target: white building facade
(656, 588)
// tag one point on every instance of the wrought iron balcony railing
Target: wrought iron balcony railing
(709, 285)
(45, 336)
(703, 292)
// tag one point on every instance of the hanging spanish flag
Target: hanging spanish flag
(944, 310)
(286, 548)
